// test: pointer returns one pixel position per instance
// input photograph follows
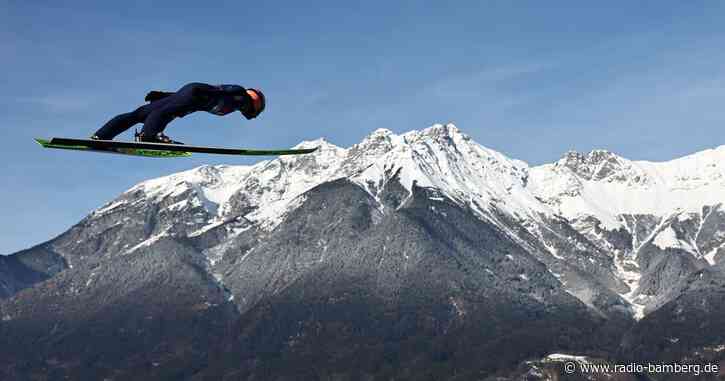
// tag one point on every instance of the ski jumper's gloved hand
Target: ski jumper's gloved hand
(154, 95)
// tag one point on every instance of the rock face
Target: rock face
(414, 256)
(26, 268)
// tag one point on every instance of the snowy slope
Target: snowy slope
(605, 185)
(599, 184)
(439, 156)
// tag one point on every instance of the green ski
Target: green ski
(157, 149)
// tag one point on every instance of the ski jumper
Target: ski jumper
(164, 107)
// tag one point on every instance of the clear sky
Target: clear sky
(534, 79)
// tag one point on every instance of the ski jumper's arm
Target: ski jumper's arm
(223, 99)
(228, 90)
(155, 95)
(208, 90)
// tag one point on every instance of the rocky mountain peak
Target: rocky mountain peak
(376, 144)
(447, 134)
(380, 134)
(598, 165)
(319, 142)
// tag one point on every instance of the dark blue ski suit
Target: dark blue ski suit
(192, 97)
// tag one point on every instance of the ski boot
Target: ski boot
(158, 138)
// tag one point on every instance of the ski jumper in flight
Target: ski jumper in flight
(163, 107)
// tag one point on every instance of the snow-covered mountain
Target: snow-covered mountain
(665, 206)
(429, 220)
(620, 206)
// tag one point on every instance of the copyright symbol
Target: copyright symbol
(569, 367)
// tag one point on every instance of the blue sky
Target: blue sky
(530, 79)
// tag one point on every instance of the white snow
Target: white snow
(638, 187)
(667, 238)
(552, 250)
(627, 269)
(206, 228)
(719, 348)
(109, 207)
(90, 278)
(178, 205)
(565, 357)
(216, 184)
(710, 257)
(147, 242)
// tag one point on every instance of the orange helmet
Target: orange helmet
(256, 104)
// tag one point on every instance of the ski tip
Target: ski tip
(295, 151)
(42, 142)
(308, 150)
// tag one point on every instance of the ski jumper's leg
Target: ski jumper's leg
(123, 122)
(176, 105)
